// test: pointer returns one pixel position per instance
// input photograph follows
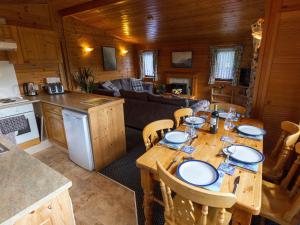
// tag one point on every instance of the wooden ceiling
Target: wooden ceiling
(148, 21)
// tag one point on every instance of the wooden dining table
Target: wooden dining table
(207, 148)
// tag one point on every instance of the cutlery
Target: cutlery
(236, 183)
(188, 157)
(173, 161)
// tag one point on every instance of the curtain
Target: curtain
(148, 64)
(225, 64)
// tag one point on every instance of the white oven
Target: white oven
(26, 110)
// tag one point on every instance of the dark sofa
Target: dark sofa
(141, 108)
(120, 84)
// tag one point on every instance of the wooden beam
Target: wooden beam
(87, 6)
(24, 1)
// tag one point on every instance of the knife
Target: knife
(236, 183)
(173, 161)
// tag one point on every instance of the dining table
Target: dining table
(207, 148)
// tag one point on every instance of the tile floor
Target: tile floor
(97, 200)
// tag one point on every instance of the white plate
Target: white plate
(250, 130)
(244, 154)
(198, 173)
(197, 120)
(223, 115)
(176, 137)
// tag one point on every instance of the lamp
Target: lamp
(88, 49)
(124, 51)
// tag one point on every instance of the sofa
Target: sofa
(141, 108)
(120, 84)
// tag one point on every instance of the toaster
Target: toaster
(55, 88)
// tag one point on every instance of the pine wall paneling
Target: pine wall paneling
(278, 94)
(200, 61)
(79, 35)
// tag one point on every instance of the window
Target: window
(224, 66)
(225, 63)
(148, 64)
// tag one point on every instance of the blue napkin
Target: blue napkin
(217, 185)
(197, 126)
(188, 149)
(258, 138)
(251, 167)
(171, 145)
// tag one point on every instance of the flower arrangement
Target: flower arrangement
(177, 91)
(85, 79)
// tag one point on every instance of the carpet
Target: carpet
(126, 173)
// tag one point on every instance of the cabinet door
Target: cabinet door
(39, 46)
(55, 128)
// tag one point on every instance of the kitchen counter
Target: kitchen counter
(81, 102)
(26, 184)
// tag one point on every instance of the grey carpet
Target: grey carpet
(126, 173)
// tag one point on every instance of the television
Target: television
(245, 77)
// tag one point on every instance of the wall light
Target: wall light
(124, 51)
(88, 49)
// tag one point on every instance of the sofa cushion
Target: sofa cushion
(110, 86)
(126, 84)
(137, 85)
(167, 100)
(117, 83)
(143, 96)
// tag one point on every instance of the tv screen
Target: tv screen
(245, 76)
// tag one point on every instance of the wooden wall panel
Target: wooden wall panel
(200, 61)
(278, 95)
(79, 35)
(31, 15)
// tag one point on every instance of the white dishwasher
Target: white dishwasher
(78, 138)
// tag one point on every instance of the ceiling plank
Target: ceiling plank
(87, 6)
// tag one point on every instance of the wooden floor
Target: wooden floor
(96, 199)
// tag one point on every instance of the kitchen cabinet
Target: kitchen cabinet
(54, 124)
(39, 46)
(58, 211)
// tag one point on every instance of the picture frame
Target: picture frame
(181, 59)
(109, 58)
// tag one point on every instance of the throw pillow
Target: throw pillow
(110, 86)
(137, 85)
(201, 106)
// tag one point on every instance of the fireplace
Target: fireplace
(182, 86)
(186, 80)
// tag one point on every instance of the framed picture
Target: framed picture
(182, 59)
(109, 58)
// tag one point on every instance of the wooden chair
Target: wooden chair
(275, 163)
(154, 131)
(192, 205)
(226, 107)
(181, 113)
(281, 203)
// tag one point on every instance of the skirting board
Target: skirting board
(40, 147)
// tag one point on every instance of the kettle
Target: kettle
(30, 89)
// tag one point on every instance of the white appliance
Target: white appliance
(78, 138)
(9, 86)
(27, 111)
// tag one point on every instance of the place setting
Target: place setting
(249, 131)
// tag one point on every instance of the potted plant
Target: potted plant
(85, 79)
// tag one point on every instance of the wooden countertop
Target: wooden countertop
(26, 184)
(77, 101)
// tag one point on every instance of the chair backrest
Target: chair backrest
(154, 131)
(180, 114)
(226, 107)
(285, 145)
(190, 197)
(293, 178)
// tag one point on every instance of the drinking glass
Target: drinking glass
(229, 154)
